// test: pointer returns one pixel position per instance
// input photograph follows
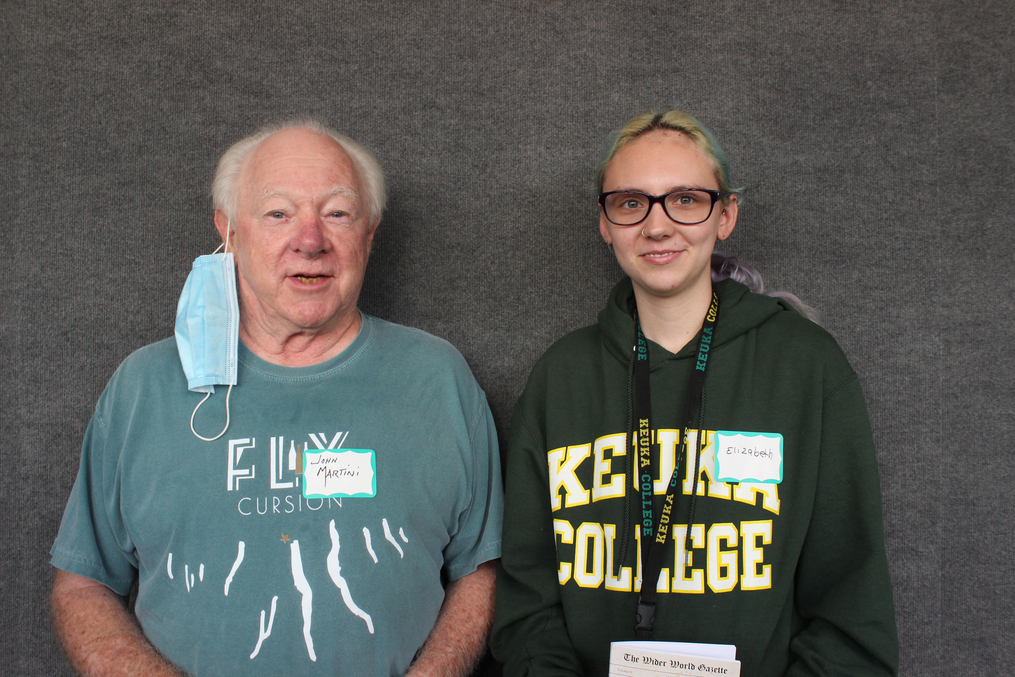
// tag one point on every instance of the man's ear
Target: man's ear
(370, 235)
(222, 224)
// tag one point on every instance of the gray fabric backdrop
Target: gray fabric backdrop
(876, 139)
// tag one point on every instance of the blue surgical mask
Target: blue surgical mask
(207, 328)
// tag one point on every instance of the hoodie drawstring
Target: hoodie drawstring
(629, 465)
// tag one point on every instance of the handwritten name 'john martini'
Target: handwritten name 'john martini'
(329, 468)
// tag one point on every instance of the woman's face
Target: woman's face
(662, 257)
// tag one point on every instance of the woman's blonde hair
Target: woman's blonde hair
(677, 121)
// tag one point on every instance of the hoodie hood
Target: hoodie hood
(740, 310)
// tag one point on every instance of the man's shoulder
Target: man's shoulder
(151, 373)
(153, 359)
(401, 341)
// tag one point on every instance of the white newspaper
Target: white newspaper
(660, 659)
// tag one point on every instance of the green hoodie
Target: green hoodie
(794, 574)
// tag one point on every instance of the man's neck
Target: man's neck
(674, 321)
(303, 348)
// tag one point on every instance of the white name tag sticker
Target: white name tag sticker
(748, 457)
(339, 473)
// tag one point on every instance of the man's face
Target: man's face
(301, 236)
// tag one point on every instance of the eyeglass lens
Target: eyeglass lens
(684, 206)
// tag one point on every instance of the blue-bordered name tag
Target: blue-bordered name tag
(339, 473)
(748, 457)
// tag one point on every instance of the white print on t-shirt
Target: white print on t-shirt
(370, 548)
(300, 581)
(264, 632)
(307, 605)
(277, 491)
(241, 546)
(188, 578)
(335, 571)
(336, 441)
(390, 538)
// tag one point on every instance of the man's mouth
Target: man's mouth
(309, 279)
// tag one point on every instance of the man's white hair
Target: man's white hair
(224, 190)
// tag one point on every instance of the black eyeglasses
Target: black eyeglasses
(685, 206)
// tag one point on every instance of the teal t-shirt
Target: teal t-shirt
(238, 572)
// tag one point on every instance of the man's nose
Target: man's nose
(309, 239)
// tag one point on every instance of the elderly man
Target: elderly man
(346, 518)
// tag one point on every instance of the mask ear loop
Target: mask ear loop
(229, 227)
(207, 395)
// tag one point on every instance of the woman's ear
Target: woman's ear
(728, 218)
(604, 230)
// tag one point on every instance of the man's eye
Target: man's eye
(338, 214)
(277, 215)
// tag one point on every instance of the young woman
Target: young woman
(693, 401)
